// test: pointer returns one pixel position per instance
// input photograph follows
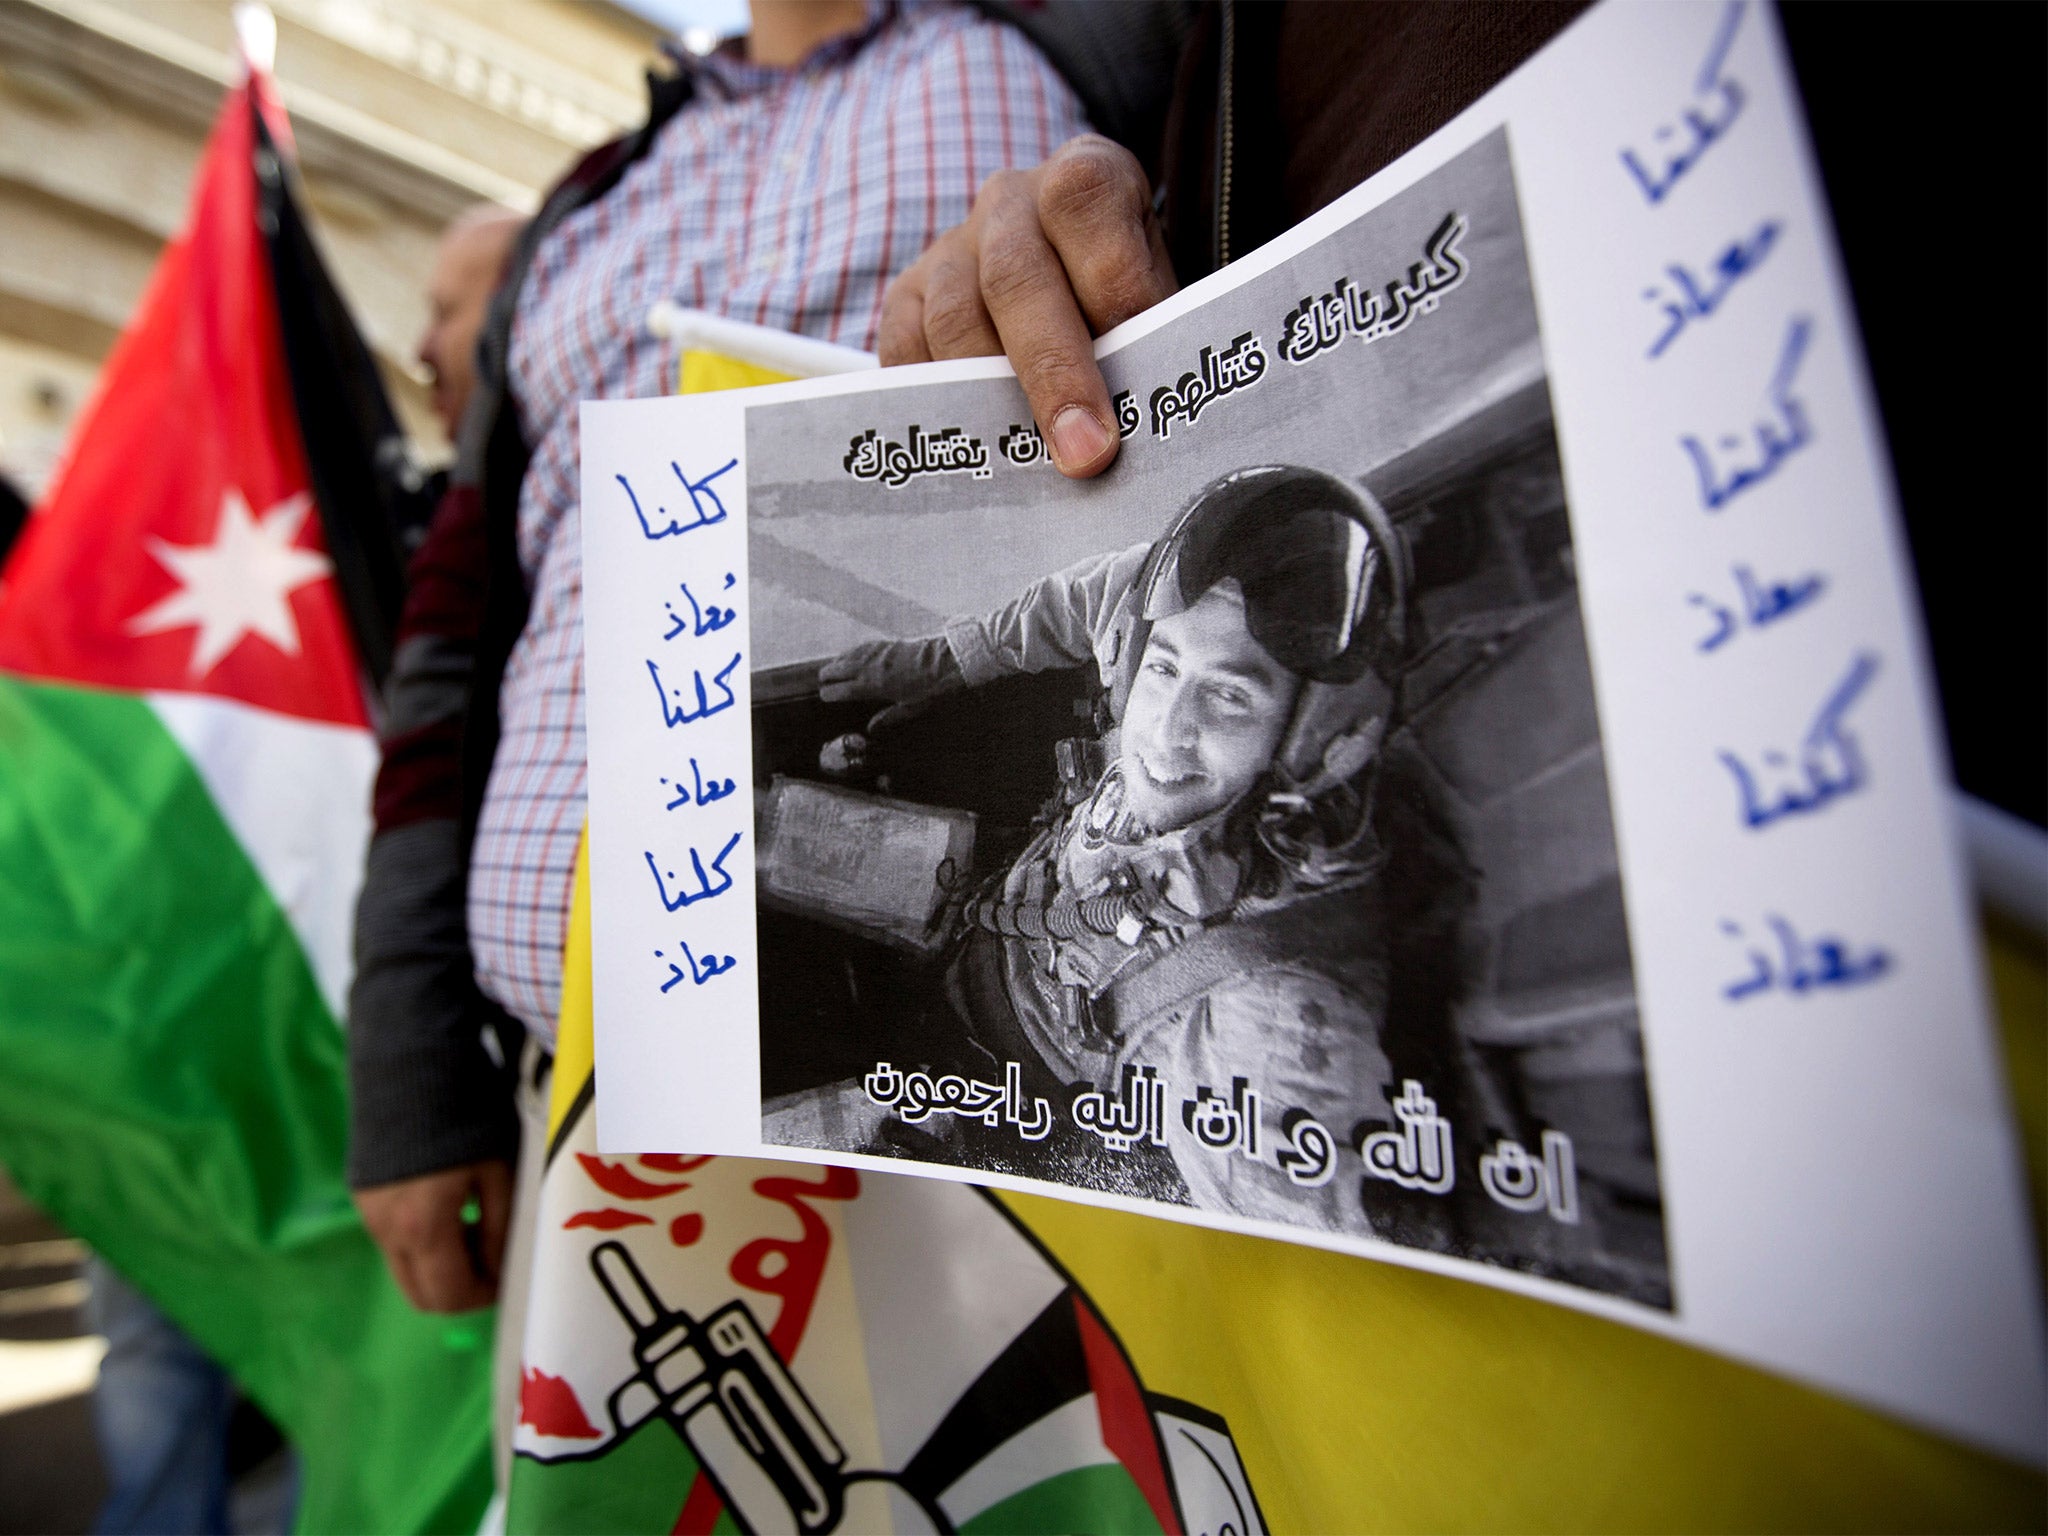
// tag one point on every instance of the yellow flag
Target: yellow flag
(793, 1347)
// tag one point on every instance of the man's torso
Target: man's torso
(786, 199)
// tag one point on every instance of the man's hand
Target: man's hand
(1047, 259)
(909, 673)
(901, 671)
(442, 1262)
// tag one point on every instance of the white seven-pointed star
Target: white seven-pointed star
(240, 584)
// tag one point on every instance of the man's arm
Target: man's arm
(1307, 1045)
(1061, 620)
(432, 1126)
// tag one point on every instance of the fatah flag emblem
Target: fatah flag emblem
(787, 1348)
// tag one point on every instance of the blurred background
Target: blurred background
(406, 111)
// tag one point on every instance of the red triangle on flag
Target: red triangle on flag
(179, 549)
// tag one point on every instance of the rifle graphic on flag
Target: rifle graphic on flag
(189, 626)
(722, 1387)
(719, 1343)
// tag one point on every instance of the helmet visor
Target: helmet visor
(1307, 573)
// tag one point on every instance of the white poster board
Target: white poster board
(1690, 1032)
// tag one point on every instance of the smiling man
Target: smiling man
(1204, 898)
(1205, 713)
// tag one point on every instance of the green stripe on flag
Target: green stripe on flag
(636, 1486)
(1088, 1501)
(172, 1089)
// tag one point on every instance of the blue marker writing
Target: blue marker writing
(1761, 603)
(706, 794)
(673, 715)
(700, 493)
(705, 620)
(1719, 487)
(705, 888)
(1803, 966)
(1704, 125)
(1831, 762)
(1696, 300)
(699, 972)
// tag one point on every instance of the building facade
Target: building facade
(405, 112)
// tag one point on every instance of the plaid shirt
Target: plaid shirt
(787, 198)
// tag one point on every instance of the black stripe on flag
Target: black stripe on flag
(1043, 1368)
(368, 488)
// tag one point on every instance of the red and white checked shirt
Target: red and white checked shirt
(786, 198)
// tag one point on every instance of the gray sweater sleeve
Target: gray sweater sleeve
(425, 1092)
(1061, 620)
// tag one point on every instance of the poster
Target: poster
(1461, 789)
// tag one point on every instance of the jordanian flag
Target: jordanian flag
(185, 768)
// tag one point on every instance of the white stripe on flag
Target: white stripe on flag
(1067, 1438)
(296, 794)
(945, 1284)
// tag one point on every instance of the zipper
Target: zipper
(1226, 131)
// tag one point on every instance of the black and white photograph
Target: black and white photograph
(1232, 831)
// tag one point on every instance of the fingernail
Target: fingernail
(1078, 439)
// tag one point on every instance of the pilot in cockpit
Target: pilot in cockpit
(1205, 898)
